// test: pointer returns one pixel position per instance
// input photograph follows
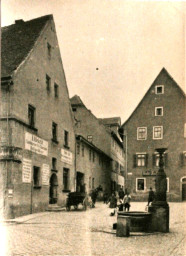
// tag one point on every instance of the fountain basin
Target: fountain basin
(139, 221)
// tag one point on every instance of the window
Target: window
(31, 115)
(78, 148)
(36, 176)
(82, 149)
(89, 138)
(92, 183)
(141, 159)
(141, 133)
(66, 138)
(159, 111)
(49, 50)
(54, 163)
(65, 179)
(74, 109)
(157, 132)
(54, 131)
(90, 154)
(48, 82)
(56, 90)
(183, 158)
(159, 89)
(156, 159)
(140, 184)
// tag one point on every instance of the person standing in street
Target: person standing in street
(126, 201)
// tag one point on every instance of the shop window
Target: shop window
(158, 111)
(54, 132)
(65, 179)
(141, 133)
(56, 88)
(31, 115)
(140, 184)
(48, 83)
(157, 132)
(36, 176)
(66, 138)
(140, 159)
(159, 89)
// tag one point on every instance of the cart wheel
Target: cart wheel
(84, 204)
(68, 207)
(75, 207)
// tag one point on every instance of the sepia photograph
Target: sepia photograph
(93, 128)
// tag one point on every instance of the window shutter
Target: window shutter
(134, 161)
(154, 160)
(146, 160)
(166, 159)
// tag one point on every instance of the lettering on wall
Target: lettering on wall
(26, 170)
(66, 156)
(36, 144)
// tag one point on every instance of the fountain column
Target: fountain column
(160, 207)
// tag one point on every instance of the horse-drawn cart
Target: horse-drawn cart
(76, 198)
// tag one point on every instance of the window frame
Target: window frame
(140, 158)
(54, 163)
(156, 108)
(66, 139)
(66, 177)
(90, 138)
(139, 190)
(159, 126)
(138, 128)
(32, 110)
(54, 136)
(159, 86)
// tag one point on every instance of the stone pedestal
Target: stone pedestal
(123, 226)
(160, 218)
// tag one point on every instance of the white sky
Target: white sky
(128, 41)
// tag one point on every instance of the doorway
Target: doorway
(53, 189)
(80, 182)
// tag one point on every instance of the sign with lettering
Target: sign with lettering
(66, 156)
(36, 144)
(45, 174)
(26, 170)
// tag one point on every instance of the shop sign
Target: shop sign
(45, 174)
(66, 156)
(26, 170)
(36, 144)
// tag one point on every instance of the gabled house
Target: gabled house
(159, 121)
(99, 150)
(37, 140)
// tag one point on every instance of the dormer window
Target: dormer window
(159, 89)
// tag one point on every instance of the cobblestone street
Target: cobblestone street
(90, 233)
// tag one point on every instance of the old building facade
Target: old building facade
(104, 164)
(157, 122)
(37, 139)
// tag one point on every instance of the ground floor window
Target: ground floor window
(140, 184)
(36, 176)
(65, 179)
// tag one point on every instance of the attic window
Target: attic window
(159, 89)
(49, 50)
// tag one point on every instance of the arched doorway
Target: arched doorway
(183, 188)
(53, 189)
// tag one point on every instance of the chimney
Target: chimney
(19, 22)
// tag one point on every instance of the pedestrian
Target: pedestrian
(121, 194)
(105, 198)
(151, 196)
(126, 201)
(94, 197)
(113, 203)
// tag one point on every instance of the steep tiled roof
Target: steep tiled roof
(111, 121)
(17, 40)
(76, 100)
